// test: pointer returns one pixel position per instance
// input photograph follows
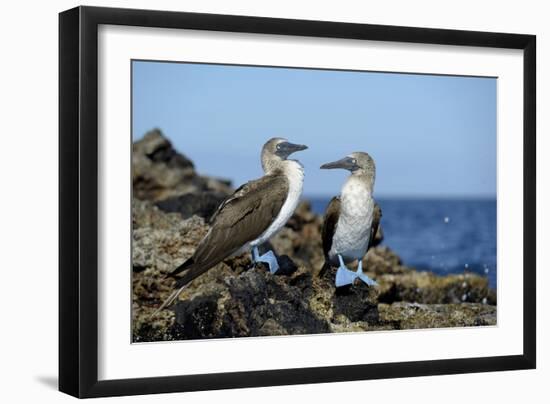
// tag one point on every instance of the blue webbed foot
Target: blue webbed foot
(346, 277)
(363, 276)
(343, 275)
(267, 258)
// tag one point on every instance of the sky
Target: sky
(430, 136)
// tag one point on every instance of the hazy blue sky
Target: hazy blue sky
(429, 135)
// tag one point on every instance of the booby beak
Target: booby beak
(347, 163)
(285, 149)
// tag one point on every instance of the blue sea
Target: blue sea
(441, 235)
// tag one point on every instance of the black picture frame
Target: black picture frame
(78, 201)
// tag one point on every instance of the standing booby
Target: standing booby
(252, 215)
(351, 220)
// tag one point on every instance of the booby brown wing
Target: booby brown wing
(240, 219)
(376, 217)
(329, 224)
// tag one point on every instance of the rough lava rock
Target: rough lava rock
(160, 172)
(187, 205)
(237, 298)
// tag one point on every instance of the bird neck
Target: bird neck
(364, 177)
(358, 186)
(271, 163)
(289, 168)
(294, 173)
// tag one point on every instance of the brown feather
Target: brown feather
(240, 219)
(377, 216)
(330, 221)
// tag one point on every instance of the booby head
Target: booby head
(357, 163)
(277, 150)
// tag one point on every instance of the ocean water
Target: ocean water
(441, 235)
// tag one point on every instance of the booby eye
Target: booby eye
(279, 146)
(354, 161)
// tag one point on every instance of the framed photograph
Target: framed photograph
(250, 201)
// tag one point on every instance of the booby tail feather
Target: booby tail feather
(187, 264)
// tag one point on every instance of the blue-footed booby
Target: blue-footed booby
(252, 215)
(351, 220)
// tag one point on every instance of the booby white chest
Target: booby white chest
(294, 172)
(352, 234)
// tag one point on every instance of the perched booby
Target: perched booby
(252, 215)
(351, 220)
